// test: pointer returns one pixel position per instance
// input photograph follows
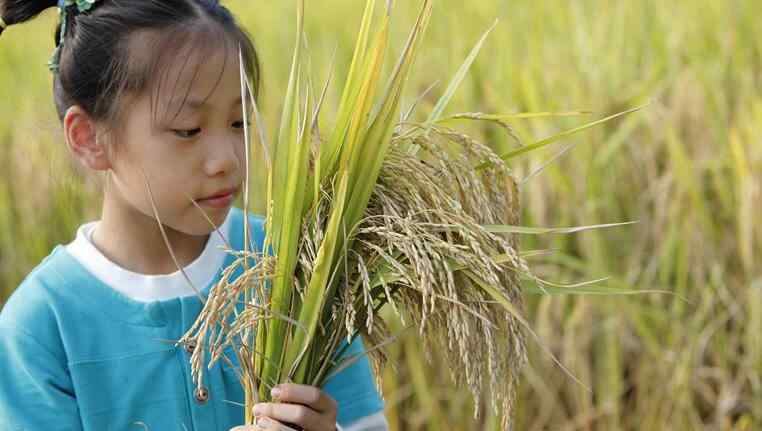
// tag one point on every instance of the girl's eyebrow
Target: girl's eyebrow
(200, 105)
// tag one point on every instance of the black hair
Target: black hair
(97, 59)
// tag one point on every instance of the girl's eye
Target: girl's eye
(186, 133)
(239, 124)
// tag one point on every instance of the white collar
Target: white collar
(148, 288)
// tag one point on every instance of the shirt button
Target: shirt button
(190, 346)
(201, 394)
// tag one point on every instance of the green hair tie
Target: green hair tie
(82, 6)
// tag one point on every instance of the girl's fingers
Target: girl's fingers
(270, 425)
(264, 424)
(296, 414)
(305, 394)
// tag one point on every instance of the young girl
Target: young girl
(148, 92)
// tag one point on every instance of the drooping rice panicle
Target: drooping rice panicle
(418, 217)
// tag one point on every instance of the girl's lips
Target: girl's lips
(221, 201)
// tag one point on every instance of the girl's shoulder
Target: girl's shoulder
(32, 309)
(37, 285)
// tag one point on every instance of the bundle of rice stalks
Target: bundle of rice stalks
(381, 212)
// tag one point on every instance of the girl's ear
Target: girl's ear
(82, 139)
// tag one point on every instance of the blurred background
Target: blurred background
(688, 168)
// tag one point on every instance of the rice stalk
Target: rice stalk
(418, 217)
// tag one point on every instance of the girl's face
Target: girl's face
(189, 146)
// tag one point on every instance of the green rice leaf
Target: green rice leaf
(589, 290)
(555, 138)
(439, 108)
(546, 230)
(290, 163)
(315, 295)
(330, 154)
(355, 142)
(379, 134)
(479, 116)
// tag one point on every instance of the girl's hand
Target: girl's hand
(305, 406)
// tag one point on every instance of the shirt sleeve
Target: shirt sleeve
(36, 392)
(354, 389)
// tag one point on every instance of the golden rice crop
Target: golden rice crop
(383, 212)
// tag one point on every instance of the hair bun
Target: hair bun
(18, 11)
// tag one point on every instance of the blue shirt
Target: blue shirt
(76, 354)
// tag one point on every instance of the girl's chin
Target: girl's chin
(200, 231)
(197, 224)
(202, 225)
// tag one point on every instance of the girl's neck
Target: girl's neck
(134, 241)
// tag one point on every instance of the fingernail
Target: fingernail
(275, 392)
(259, 409)
(263, 422)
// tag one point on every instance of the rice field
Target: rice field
(688, 168)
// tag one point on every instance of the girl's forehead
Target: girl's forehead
(187, 68)
(197, 76)
(196, 81)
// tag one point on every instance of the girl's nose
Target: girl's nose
(223, 156)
